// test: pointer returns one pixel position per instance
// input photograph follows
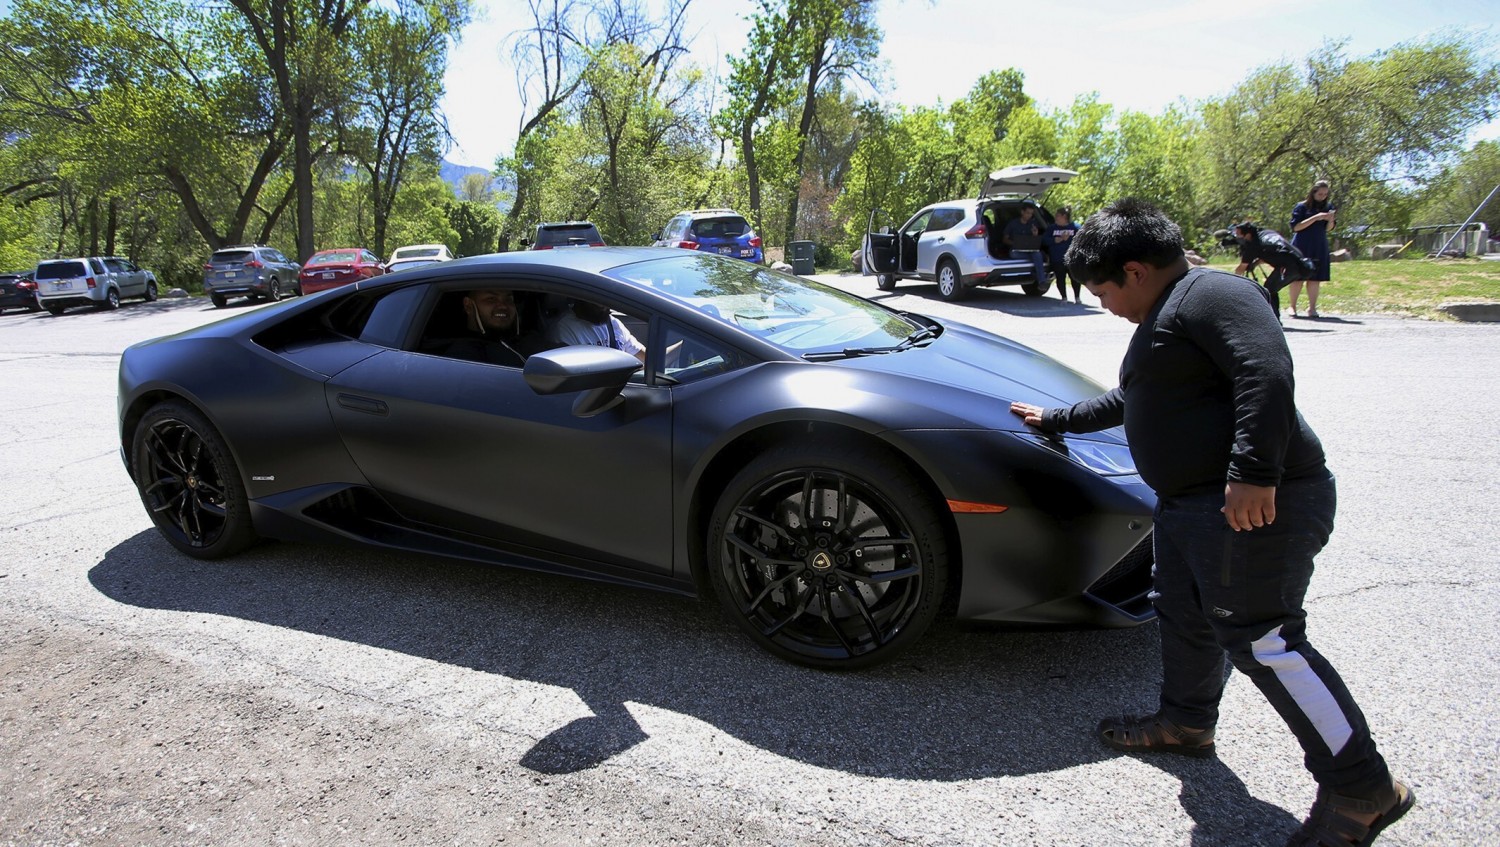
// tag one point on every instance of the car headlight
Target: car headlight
(1106, 458)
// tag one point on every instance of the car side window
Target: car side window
(945, 219)
(684, 356)
(917, 224)
(98, 266)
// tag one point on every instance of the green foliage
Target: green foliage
(1460, 189)
(475, 226)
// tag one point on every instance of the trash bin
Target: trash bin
(799, 254)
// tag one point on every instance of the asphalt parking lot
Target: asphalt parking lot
(309, 695)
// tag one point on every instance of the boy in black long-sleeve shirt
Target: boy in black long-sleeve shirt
(1244, 503)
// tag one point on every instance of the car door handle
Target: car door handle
(941, 240)
(368, 405)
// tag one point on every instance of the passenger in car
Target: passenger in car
(495, 333)
(592, 324)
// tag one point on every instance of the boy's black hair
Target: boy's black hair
(1127, 230)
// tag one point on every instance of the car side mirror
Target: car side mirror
(600, 373)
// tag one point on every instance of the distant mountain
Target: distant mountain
(453, 173)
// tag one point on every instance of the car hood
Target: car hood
(980, 374)
(1026, 180)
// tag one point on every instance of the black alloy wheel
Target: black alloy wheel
(189, 483)
(828, 554)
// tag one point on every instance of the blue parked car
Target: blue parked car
(721, 231)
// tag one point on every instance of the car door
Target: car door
(128, 277)
(878, 249)
(934, 239)
(909, 246)
(470, 446)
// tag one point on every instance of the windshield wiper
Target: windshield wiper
(926, 333)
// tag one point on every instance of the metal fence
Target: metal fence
(1471, 240)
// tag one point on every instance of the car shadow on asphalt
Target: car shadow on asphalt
(1009, 300)
(966, 702)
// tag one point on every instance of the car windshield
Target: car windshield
(798, 315)
(333, 257)
(61, 270)
(415, 253)
(233, 256)
(720, 227)
(557, 234)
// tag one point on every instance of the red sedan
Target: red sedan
(332, 268)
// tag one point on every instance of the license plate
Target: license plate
(727, 251)
(328, 276)
(229, 274)
(61, 286)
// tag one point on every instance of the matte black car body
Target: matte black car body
(341, 428)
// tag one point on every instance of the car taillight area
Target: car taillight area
(978, 230)
(688, 245)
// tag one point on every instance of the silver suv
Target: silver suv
(101, 282)
(956, 244)
(249, 270)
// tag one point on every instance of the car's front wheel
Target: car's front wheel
(885, 282)
(274, 292)
(950, 285)
(151, 292)
(189, 482)
(828, 554)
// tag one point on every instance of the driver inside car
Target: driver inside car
(494, 330)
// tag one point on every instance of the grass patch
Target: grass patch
(1414, 287)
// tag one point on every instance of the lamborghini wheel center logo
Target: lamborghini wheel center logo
(821, 561)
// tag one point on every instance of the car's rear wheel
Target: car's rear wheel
(885, 282)
(828, 554)
(218, 300)
(189, 483)
(274, 292)
(111, 300)
(950, 285)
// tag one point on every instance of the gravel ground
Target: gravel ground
(307, 695)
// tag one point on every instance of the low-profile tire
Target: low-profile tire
(274, 291)
(151, 292)
(189, 483)
(111, 300)
(950, 285)
(1033, 289)
(885, 282)
(218, 300)
(828, 553)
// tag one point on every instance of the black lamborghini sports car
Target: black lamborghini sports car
(835, 473)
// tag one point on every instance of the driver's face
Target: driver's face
(494, 308)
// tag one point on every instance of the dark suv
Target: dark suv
(566, 234)
(721, 231)
(18, 291)
(250, 270)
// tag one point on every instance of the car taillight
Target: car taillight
(25, 285)
(754, 241)
(92, 283)
(208, 267)
(255, 264)
(688, 245)
(542, 247)
(976, 231)
(596, 243)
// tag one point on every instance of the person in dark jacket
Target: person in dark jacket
(1244, 503)
(1059, 236)
(1311, 221)
(494, 331)
(1269, 246)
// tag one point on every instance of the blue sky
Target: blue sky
(1139, 54)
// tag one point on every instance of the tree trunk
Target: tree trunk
(302, 174)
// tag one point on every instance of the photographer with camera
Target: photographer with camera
(1269, 246)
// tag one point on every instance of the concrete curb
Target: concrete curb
(1472, 312)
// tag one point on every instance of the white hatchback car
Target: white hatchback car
(954, 245)
(416, 255)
